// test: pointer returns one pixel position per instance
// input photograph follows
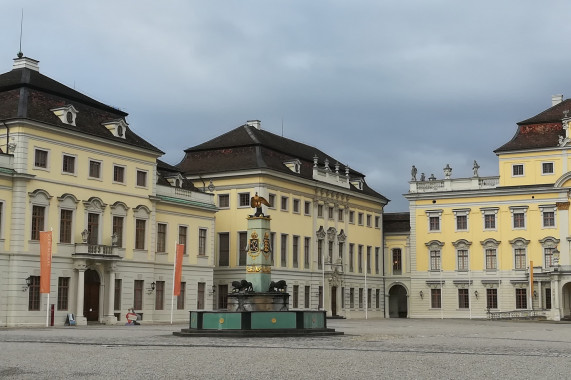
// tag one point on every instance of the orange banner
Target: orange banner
(178, 269)
(45, 261)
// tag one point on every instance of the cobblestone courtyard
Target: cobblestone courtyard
(371, 349)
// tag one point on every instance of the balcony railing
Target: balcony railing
(518, 314)
(96, 249)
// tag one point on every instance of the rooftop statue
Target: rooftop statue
(256, 202)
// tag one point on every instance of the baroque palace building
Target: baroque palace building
(326, 221)
(73, 165)
(485, 246)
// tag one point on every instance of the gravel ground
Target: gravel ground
(370, 349)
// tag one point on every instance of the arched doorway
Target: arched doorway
(566, 301)
(398, 302)
(91, 295)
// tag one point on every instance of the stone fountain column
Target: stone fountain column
(259, 255)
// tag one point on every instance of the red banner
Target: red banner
(45, 261)
(178, 269)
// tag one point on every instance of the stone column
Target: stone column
(110, 318)
(556, 298)
(79, 317)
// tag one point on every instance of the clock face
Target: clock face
(69, 117)
(120, 131)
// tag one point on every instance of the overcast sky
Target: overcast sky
(379, 85)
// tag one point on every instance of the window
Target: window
(138, 294)
(202, 242)
(319, 254)
(360, 258)
(306, 245)
(342, 298)
(518, 217)
(397, 261)
(491, 259)
(223, 200)
(548, 253)
(435, 298)
(341, 249)
(161, 237)
(306, 298)
(119, 174)
(352, 298)
(368, 220)
(295, 296)
(377, 298)
(330, 212)
(181, 297)
(434, 223)
(360, 298)
(62, 293)
(283, 250)
(521, 298)
(41, 158)
(222, 296)
(307, 208)
(517, 170)
(360, 218)
(94, 169)
(224, 249)
(242, 247)
(141, 178)
(519, 258)
(38, 219)
(295, 251)
(462, 259)
(159, 295)
(352, 217)
(182, 237)
(320, 211)
(547, 168)
(368, 259)
(320, 300)
(351, 257)
(68, 164)
(296, 206)
(492, 298)
(118, 230)
(461, 222)
(93, 228)
(118, 291)
(548, 298)
(490, 222)
(548, 215)
(272, 200)
(435, 260)
(377, 221)
(200, 294)
(340, 214)
(284, 204)
(463, 299)
(369, 298)
(377, 256)
(65, 223)
(140, 232)
(34, 294)
(244, 200)
(330, 251)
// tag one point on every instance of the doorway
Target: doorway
(398, 302)
(334, 301)
(91, 295)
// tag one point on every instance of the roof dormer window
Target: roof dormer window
(117, 127)
(357, 182)
(67, 114)
(293, 165)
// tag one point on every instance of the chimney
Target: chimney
(556, 99)
(26, 63)
(254, 123)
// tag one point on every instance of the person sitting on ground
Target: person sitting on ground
(131, 317)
